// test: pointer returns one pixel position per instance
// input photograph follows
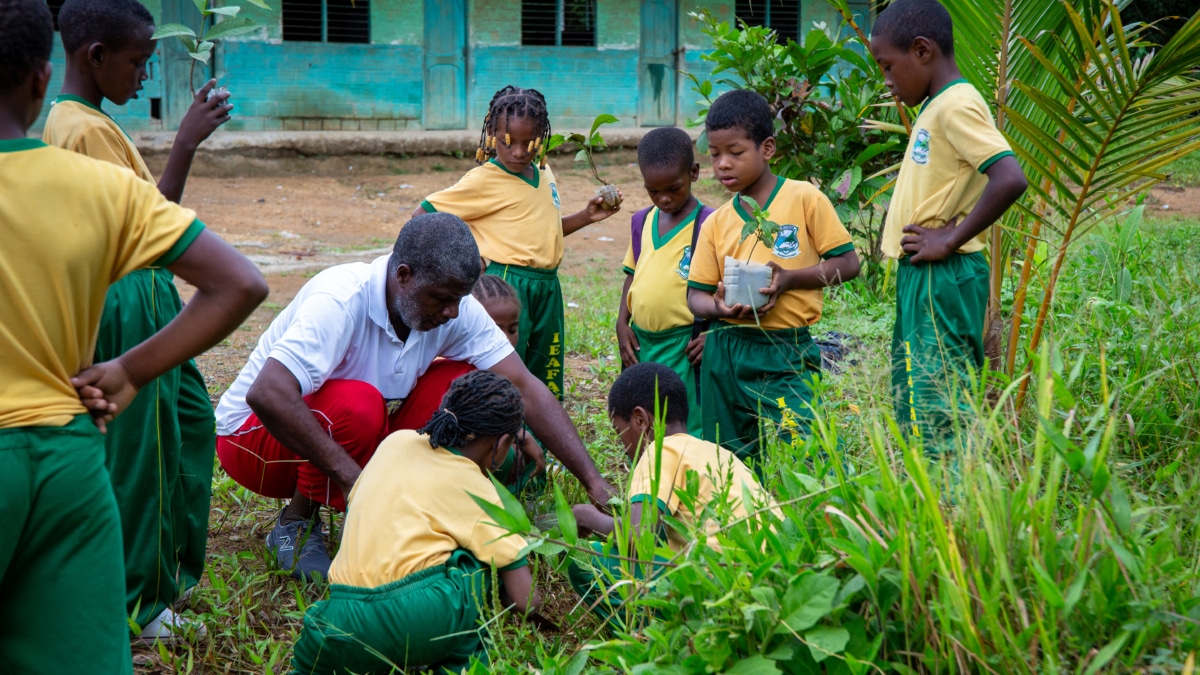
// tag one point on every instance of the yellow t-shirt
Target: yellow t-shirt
(809, 230)
(657, 297)
(76, 125)
(515, 220)
(411, 508)
(954, 140)
(720, 473)
(72, 227)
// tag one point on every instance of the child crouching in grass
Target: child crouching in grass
(413, 570)
(718, 474)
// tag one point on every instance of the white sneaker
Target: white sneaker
(170, 626)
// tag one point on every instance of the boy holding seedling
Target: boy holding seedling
(762, 363)
(513, 208)
(417, 557)
(160, 451)
(640, 392)
(653, 321)
(73, 226)
(957, 178)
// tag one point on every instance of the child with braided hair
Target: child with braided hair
(412, 574)
(512, 206)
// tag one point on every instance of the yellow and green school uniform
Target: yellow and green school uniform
(940, 306)
(719, 475)
(160, 450)
(517, 223)
(657, 298)
(764, 369)
(72, 226)
(412, 571)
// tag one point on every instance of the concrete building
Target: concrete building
(434, 64)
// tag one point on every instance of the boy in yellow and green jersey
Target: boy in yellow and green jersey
(761, 365)
(654, 322)
(957, 178)
(161, 450)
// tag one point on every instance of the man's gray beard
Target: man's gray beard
(409, 312)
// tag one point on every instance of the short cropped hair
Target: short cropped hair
(666, 147)
(109, 22)
(635, 388)
(742, 109)
(906, 20)
(26, 38)
(437, 247)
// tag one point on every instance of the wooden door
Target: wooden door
(445, 64)
(657, 71)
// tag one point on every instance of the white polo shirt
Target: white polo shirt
(337, 328)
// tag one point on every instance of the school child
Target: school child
(718, 473)
(160, 451)
(653, 319)
(72, 226)
(957, 178)
(512, 206)
(413, 598)
(762, 364)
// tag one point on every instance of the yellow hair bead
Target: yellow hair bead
(507, 139)
(530, 146)
(479, 154)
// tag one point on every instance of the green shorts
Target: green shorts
(937, 340)
(60, 554)
(542, 325)
(669, 347)
(428, 618)
(159, 452)
(749, 374)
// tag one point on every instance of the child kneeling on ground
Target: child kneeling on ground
(412, 574)
(717, 472)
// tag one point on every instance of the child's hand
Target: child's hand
(204, 116)
(586, 516)
(628, 343)
(534, 453)
(778, 285)
(596, 211)
(924, 244)
(105, 390)
(97, 405)
(695, 349)
(737, 311)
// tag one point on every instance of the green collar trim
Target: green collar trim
(88, 104)
(741, 210)
(20, 144)
(659, 242)
(949, 84)
(533, 182)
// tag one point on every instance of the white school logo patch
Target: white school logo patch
(554, 193)
(920, 151)
(787, 243)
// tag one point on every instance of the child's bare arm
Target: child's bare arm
(592, 213)
(590, 519)
(201, 120)
(1006, 183)
(420, 210)
(627, 342)
(829, 272)
(518, 586)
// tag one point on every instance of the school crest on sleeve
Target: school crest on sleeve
(685, 263)
(920, 151)
(787, 242)
(554, 193)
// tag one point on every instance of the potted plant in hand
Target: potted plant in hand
(587, 147)
(200, 46)
(744, 279)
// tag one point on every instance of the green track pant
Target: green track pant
(542, 325)
(749, 374)
(159, 452)
(669, 347)
(62, 587)
(427, 619)
(596, 579)
(937, 340)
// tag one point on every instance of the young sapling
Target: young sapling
(587, 147)
(200, 46)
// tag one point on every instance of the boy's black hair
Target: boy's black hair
(666, 147)
(477, 405)
(437, 247)
(491, 286)
(742, 109)
(906, 20)
(635, 388)
(110, 22)
(26, 38)
(513, 102)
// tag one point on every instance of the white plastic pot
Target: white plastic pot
(743, 281)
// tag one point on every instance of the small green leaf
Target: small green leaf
(809, 601)
(1047, 586)
(755, 665)
(201, 6)
(172, 30)
(1107, 653)
(260, 4)
(201, 56)
(582, 155)
(566, 519)
(231, 27)
(825, 641)
(512, 506)
(230, 11)
(602, 119)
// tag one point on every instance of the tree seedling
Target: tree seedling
(587, 147)
(764, 230)
(200, 46)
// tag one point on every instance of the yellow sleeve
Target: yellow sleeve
(828, 233)
(470, 198)
(153, 228)
(707, 267)
(98, 142)
(486, 541)
(641, 481)
(972, 133)
(629, 264)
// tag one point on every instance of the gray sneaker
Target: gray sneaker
(309, 537)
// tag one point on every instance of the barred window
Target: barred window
(782, 16)
(326, 21)
(559, 23)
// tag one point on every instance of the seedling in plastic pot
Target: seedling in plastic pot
(764, 230)
(587, 147)
(744, 279)
(200, 45)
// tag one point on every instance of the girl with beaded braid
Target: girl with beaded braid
(412, 573)
(513, 208)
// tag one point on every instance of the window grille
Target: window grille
(782, 16)
(326, 21)
(559, 23)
